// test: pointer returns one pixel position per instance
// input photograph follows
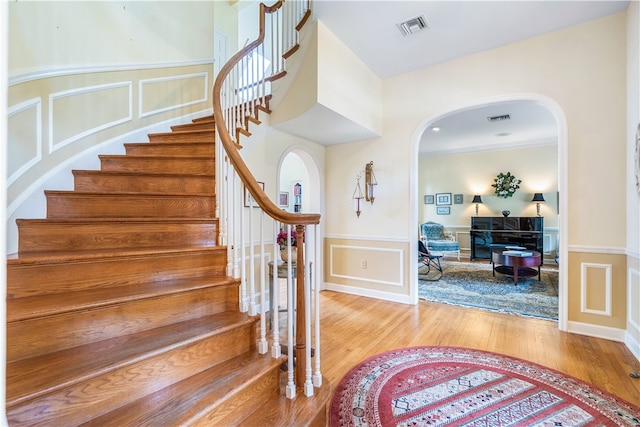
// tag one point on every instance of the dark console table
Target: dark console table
(489, 233)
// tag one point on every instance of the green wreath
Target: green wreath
(506, 185)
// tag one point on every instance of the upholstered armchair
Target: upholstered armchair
(432, 235)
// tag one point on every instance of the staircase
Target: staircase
(119, 310)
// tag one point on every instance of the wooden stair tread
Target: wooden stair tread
(153, 157)
(40, 375)
(182, 402)
(120, 193)
(57, 303)
(84, 255)
(301, 411)
(195, 132)
(135, 173)
(141, 220)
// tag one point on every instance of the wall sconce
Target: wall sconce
(477, 200)
(357, 195)
(538, 198)
(370, 181)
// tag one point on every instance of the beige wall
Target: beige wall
(61, 34)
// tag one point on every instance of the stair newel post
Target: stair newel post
(300, 311)
(291, 384)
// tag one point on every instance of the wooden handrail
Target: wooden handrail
(247, 178)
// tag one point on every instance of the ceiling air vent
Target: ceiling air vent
(499, 118)
(414, 25)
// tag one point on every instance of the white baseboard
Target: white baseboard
(353, 290)
(613, 334)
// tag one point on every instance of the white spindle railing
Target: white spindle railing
(241, 90)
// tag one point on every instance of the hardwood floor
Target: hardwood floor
(355, 328)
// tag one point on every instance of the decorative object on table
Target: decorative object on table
(284, 240)
(443, 210)
(457, 199)
(472, 284)
(477, 200)
(370, 182)
(248, 200)
(433, 236)
(506, 185)
(506, 213)
(357, 196)
(283, 199)
(297, 197)
(428, 199)
(443, 199)
(439, 385)
(538, 198)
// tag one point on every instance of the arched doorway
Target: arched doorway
(300, 190)
(558, 205)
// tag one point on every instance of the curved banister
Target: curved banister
(247, 178)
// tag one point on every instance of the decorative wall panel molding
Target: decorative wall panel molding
(153, 93)
(24, 133)
(360, 258)
(587, 289)
(83, 107)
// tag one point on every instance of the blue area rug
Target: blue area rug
(473, 285)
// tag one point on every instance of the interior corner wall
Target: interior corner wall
(345, 84)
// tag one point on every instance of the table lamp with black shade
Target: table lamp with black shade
(538, 198)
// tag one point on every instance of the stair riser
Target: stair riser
(195, 136)
(43, 236)
(233, 413)
(194, 126)
(45, 278)
(128, 206)
(141, 183)
(29, 338)
(183, 149)
(190, 165)
(88, 399)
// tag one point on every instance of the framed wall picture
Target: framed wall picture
(443, 199)
(283, 198)
(248, 200)
(443, 210)
(428, 199)
(457, 199)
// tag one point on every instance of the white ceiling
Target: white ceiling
(457, 28)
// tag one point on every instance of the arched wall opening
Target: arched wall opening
(562, 133)
(298, 167)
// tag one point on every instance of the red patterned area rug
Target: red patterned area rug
(450, 386)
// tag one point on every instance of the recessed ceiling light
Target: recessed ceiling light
(503, 134)
(435, 129)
